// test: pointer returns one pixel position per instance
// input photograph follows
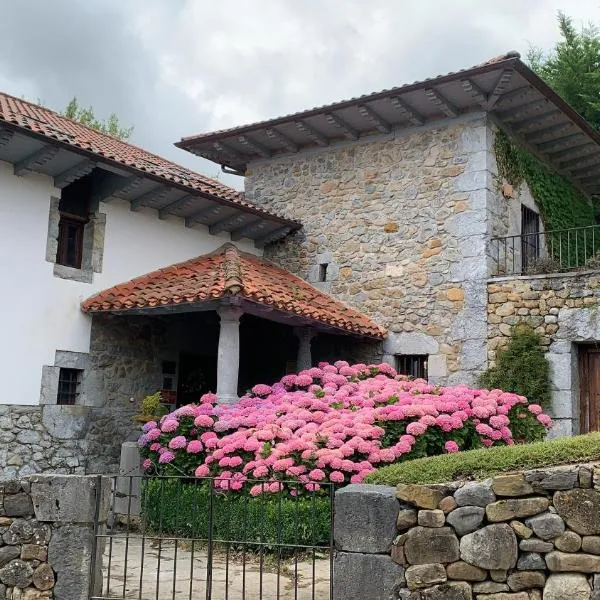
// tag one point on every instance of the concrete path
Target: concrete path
(139, 569)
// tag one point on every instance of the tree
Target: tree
(572, 67)
(86, 116)
(521, 367)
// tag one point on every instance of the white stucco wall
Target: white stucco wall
(39, 312)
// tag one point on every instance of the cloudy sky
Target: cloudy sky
(177, 67)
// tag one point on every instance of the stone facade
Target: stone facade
(47, 536)
(564, 309)
(521, 536)
(401, 223)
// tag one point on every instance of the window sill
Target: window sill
(72, 274)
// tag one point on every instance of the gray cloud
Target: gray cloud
(179, 67)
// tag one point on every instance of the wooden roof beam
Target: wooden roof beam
(311, 132)
(443, 103)
(170, 208)
(523, 109)
(476, 92)
(284, 140)
(569, 151)
(558, 142)
(253, 227)
(348, 131)
(106, 191)
(375, 118)
(585, 160)
(534, 120)
(81, 169)
(589, 178)
(229, 151)
(255, 146)
(560, 128)
(201, 215)
(499, 89)
(156, 193)
(516, 94)
(36, 159)
(5, 136)
(272, 237)
(224, 224)
(407, 111)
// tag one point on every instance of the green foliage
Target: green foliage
(152, 409)
(86, 116)
(561, 204)
(181, 507)
(479, 464)
(521, 368)
(572, 68)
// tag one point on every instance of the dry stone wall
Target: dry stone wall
(47, 536)
(521, 536)
(401, 221)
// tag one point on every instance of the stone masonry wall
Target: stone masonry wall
(401, 221)
(47, 536)
(564, 310)
(521, 536)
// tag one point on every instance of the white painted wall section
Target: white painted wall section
(39, 312)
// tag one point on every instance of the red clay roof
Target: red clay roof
(230, 272)
(43, 121)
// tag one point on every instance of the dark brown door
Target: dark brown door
(589, 382)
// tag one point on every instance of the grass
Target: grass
(186, 508)
(479, 464)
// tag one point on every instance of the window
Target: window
(530, 238)
(69, 382)
(323, 271)
(74, 210)
(414, 365)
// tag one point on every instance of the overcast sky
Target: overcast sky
(174, 68)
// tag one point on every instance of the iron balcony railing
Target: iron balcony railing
(555, 251)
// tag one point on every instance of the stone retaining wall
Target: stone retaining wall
(523, 536)
(564, 310)
(47, 536)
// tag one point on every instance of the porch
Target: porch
(222, 322)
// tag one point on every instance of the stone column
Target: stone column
(304, 335)
(228, 356)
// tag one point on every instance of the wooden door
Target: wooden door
(589, 382)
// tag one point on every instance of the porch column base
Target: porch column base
(228, 355)
(304, 335)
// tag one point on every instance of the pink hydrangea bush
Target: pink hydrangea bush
(332, 423)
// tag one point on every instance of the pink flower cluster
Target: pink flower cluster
(332, 423)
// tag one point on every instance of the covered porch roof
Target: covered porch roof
(229, 276)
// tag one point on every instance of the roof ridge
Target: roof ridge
(232, 271)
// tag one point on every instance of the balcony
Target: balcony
(556, 251)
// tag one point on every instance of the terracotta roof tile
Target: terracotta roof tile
(229, 272)
(42, 121)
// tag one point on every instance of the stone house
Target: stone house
(375, 228)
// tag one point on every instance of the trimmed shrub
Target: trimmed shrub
(479, 464)
(335, 423)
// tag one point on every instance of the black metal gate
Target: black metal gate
(176, 538)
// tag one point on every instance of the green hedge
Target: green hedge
(478, 464)
(182, 508)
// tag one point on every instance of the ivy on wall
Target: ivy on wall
(561, 204)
